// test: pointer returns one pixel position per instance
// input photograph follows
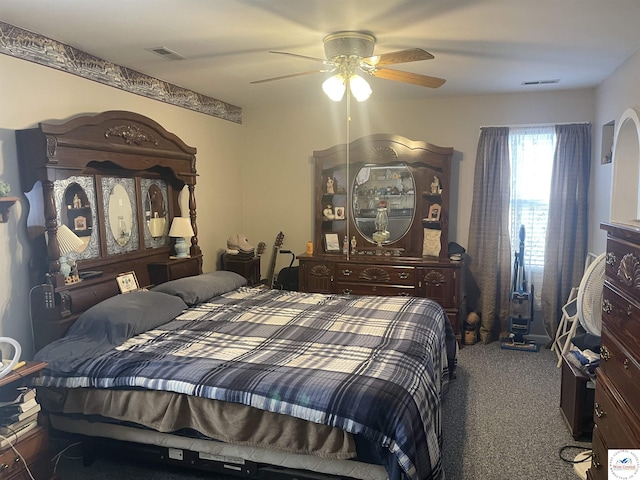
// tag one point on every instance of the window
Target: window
(531, 150)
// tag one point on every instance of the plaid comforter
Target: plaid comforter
(373, 366)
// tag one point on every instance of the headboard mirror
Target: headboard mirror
(114, 179)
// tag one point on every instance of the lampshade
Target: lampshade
(360, 88)
(68, 241)
(181, 227)
(335, 86)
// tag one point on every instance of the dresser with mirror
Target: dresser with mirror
(102, 192)
(381, 222)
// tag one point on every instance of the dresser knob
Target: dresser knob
(595, 461)
(347, 291)
(599, 411)
(403, 275)
(611, 258)
(404, 294)
(625, 364)
(629, 311)
(346, 272)
(604, 353)
(4, 466)
(606, 306)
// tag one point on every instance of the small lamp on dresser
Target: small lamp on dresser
(67, 242)
(181, 228)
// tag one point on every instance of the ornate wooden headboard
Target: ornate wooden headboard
(113, 180)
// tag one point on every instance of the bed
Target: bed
(202, 371)
(251, 378)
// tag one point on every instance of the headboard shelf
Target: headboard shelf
(114, 181)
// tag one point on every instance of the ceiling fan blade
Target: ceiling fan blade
(291, 75)
(408, 77)
(401, 56)
(302, 56)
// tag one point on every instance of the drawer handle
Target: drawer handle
(347, 291)
(625, 364)
(346, 272)
(611, 258)
(403, 294)
(599, 411)
(606, 306)
(604, 353)
(595, 461)
(403, 275)
(629, 311)
(4, 466)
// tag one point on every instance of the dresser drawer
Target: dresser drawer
(621, 316)
(623, 266)
(440, 284)
(34, 448)
(621, 368)
(372, 289)
(599, 459)
(619, 427)
(376, 274)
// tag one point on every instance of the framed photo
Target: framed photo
(434, 213)
(80, 223)
(339, 212)
(331, 242)
(127, 282)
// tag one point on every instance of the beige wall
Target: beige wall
(278, 171)
(616, 94)
(30, 93)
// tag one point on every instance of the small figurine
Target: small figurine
(330, 183)
(328, 213)
(354, 244)
(77, 203)
(435, 185)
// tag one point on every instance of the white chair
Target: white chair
(569, 322)
(567, 326)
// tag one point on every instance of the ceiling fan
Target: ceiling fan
(349, 53)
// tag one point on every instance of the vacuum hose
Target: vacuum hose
(16, 357)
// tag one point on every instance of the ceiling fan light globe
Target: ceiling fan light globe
(334, 87)
(359, 88)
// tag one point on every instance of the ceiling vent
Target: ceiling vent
(164, 52)
(541, 82)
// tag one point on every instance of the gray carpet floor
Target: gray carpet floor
(501, 421)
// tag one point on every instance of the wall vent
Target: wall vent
(541, 82)
(165, 52)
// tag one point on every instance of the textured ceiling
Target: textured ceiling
(480, 46)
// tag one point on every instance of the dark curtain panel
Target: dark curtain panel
(566, 241)
(489, 249)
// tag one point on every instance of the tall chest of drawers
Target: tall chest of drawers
(617, 397)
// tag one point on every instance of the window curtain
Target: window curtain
(566, 240)
(489, 249)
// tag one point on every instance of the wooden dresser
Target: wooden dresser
(617, 397)
(441, 280)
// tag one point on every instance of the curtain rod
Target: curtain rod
(537, 124)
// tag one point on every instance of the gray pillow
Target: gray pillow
(121, 317)
(200, 288)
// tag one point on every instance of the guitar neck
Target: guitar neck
(272, 268)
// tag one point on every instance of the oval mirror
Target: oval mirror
(120, 215)
(383, 202)
(76, 214)
(155, 212)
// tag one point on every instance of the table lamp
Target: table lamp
(181, 228)
(67, 242)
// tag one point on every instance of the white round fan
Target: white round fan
(589, 301)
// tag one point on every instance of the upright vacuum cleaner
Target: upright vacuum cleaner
(521, 306)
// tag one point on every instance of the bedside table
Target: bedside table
(172, 269)
(33, 445)
(249, 268)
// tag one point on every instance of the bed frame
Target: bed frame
(69, 172)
